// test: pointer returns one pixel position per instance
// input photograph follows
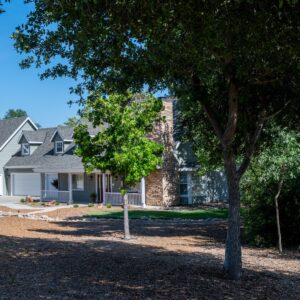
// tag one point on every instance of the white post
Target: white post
(190, 188)
(103, 188)
(70, 188)
(143, 187)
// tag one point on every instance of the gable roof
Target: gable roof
(10, 127)
(33, 137)
(65, 132)
(43, 157)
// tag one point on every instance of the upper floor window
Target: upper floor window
(25, 149)
(59, 147)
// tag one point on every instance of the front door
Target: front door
(99, 188)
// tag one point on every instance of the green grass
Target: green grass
(219, 213)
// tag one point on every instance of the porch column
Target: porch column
(70, 188)
(143, 188)
(190, 188)
(104, 188)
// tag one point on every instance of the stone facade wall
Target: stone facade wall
(162, 186)
(154, 188)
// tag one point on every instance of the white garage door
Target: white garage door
(26, 184)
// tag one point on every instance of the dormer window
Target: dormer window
(59, 147)
(25, 149)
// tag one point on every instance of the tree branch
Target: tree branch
(250, 147)
(277, 112)
(230, 130)
(208, 110)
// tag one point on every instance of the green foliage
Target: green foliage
(279, 160)
(199, 214)
(93, 197)
(260, 218)
(121, 146)
(108, 205)
(15, 113)
(22, 200)
(91, 205)
(73, 121)
(120, 45)
(75, 205)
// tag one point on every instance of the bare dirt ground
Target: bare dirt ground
(164, 260)
(7, 209)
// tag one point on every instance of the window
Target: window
(184, 189)
(59, 147)
(25, 149)
(116, 184)
(77, 182)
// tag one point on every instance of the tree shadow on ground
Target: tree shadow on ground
(214, 233)
(34, 268)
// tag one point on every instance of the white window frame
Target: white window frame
(80, 188)
(62, 147)
(28, 149)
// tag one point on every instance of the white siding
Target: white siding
(9, 150)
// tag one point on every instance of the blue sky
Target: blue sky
(44, 101)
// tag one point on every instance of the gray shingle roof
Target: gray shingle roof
(66, 132)
(8, 127)
(43, 157)
(35, 136)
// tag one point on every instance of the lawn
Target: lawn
(198, 214)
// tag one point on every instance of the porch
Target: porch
(83, 188)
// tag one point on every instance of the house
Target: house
(10, 132)
(43, 164)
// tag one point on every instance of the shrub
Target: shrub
(260, 218)
(91, 205)
(108, 205)
(93, 197)
(57, 203)
(75, 205)
(22, 200)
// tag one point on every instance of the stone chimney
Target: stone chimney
(162, 186)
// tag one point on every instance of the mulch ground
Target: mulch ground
(7, 209)
(164, 260)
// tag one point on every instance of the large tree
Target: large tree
(121, 146)
(235, 62)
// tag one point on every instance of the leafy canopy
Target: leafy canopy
(72, 121)
(15, 113)
(193, 48)
(121, 146)
(279, 160)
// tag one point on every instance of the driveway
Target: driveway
(14, 203)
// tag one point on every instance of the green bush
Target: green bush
(22, 200)
(93, 197)
(75, 205)
(260, 217)
(57, 203)
(108, 205)
(91, 205)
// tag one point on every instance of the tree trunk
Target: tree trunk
(126, 218)
(277, 215)
(233, 259)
